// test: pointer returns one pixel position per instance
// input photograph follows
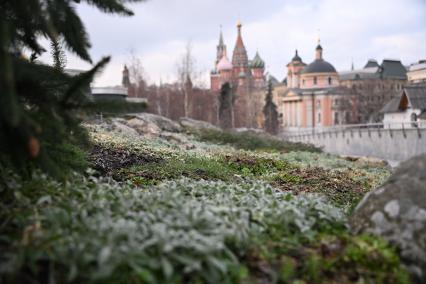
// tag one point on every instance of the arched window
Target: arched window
(319, 118)
(315, 80)
(329, 80)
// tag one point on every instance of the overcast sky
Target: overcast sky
(349, 30)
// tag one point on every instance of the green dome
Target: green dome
(242, 74)
(257, 62)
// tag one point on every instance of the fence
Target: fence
(396, 141)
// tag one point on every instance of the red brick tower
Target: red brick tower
(239, 57)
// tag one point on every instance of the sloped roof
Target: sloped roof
(417, 96)
(393, 69)
(371, 63)
(366, 73)
(389, 69)
(391, 106)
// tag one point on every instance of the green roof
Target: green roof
(257, 62)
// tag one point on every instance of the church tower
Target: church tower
(257, 66)
(239, 57)
(221, 48)
(294, 69)
(125, 80)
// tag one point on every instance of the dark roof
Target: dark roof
(341, 90)
(296, 57)
(393, 69)
(416, 96)
(371, 63)
(389, 69)
(257, 61)
(391, 106)
(366, 73)
(319, 66)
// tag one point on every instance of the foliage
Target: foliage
(152, 160)
(96, 230)
(270, 111)
(37, 99)
(226, 107)
(253, 141)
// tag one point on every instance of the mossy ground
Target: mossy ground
(238, 216)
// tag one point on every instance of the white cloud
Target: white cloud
(360, 29)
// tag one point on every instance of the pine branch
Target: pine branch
(112, 6)
(58, 54)
(63, 20)
(80, 81)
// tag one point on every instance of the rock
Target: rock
(120, 126)
(143, 127)
(196, 125)
(250, 130)
(173, 137)
(397, 212)
(161, 122)
(367, 161)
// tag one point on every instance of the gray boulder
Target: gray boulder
(119, 125)
(397, 212)
(161, 122)
(250, 130)
(143, 127)
(196, 125)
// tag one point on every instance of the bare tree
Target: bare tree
(186, 72)
(137, 74)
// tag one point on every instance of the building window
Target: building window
(315, 80)
(318, 104)
(335, 102)
(336, 118)
(413, 118)
(303, 82)
(319, 118)
(329, 80)
(347, 117)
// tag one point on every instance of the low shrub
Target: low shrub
(93, 230)
(252, 141)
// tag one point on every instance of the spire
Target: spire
(240, 43)
(221, 37)
(318, 53)
(296, 57)
(125, 79)
(221, 48)
(352, 65)
(239, 57)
